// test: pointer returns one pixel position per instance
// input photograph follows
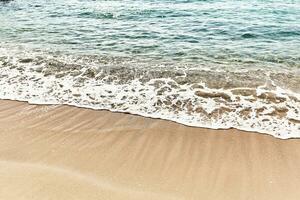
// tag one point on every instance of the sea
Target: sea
(216, 64)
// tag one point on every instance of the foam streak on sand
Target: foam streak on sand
(265, 101)
(63, 152)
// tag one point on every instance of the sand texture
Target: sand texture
(63, 152)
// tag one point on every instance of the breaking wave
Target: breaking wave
(256, 99)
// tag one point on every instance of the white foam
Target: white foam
(22, 82)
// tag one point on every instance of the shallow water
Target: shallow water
(216, 64)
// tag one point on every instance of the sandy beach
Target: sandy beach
(63, 152)
(149, 100)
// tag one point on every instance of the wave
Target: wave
(252, 99)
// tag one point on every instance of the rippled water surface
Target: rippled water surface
(206, 63)
(195, 30)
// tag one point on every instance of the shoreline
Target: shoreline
(258, 131)
(59, 152)
(252, 99)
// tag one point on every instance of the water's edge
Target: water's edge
(250, 99)
(154, 117)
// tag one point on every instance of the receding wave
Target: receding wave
(254, 99)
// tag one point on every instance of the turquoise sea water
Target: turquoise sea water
(201, 31)
(216, 64)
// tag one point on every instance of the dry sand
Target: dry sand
(63, 152)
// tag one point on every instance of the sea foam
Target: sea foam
(253, 100)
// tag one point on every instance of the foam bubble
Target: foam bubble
(248, 100)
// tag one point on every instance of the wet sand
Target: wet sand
(63, 152)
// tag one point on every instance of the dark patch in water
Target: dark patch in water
(96, 15)
(248, 35)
